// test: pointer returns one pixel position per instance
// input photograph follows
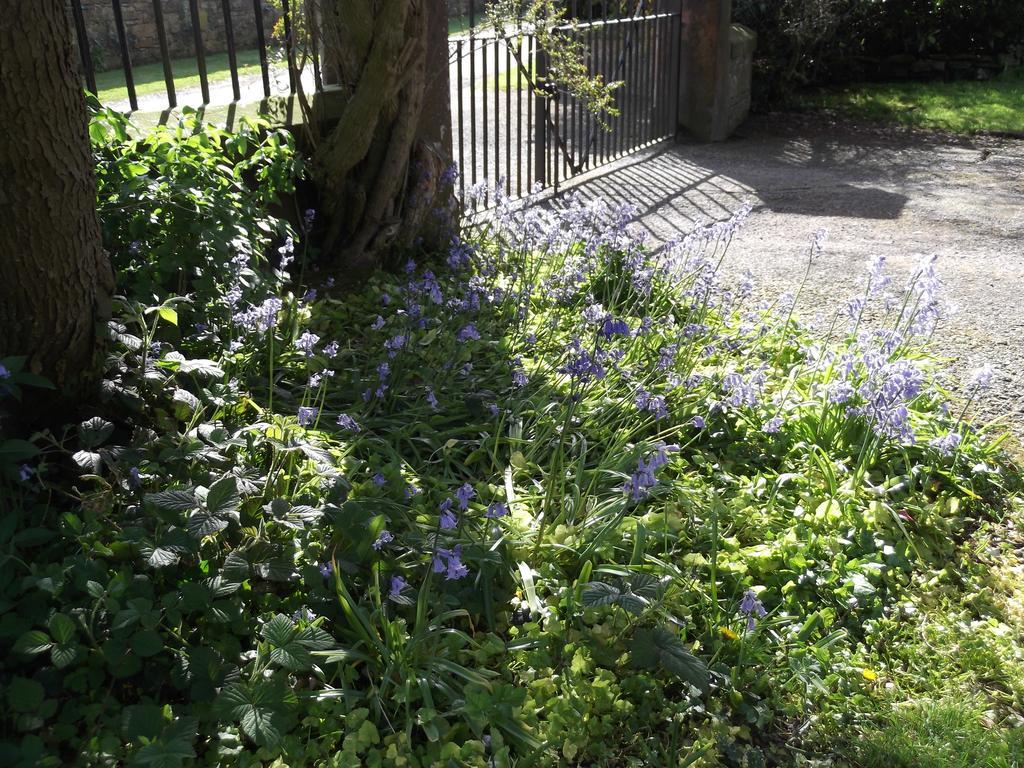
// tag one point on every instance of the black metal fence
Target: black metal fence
(278, 61)
(513, 126)
(513, 123)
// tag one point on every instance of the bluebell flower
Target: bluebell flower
(448, 520)
(613, 327)
(752, 608)
(395, 343)
(383, 369)
(468, 332)
(946, 444)
(331, 350)
(496, 509)
(639, 485)
(134, 478)
(307, 343)
(464, 494)
(25, 473)
(347, 422)
(982, 376)
(308, 218)
(378, 323)
(431, 398)
(327, 570)
(384, 538)
(397, 585)
(773, 425)
(310, 295)
(379, 480)
(307, 415)
(449, 561)
(698, 422)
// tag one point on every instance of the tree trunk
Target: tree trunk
(381, 169)
(57, 281)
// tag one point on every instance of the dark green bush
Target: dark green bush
(802, 42)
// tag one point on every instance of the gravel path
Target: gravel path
(878, 191)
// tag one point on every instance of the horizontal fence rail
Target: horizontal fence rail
(515, 129)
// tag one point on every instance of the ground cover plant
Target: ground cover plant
(962, 107)
(551, 497)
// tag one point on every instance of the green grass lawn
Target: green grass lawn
(149, 78)
(458, 24)
(962, 107)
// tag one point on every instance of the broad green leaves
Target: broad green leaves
(261, 708)
(661, 648)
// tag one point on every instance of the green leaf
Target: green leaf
(259, 708)
(172, 749)
(142, 721)
(174, 499)
(63, 655)
(93, 432)
(170, 314)
(146, 643)
(235, 569)
(62, 628)
(14, 451)
(222, 500)
(159, 557)
(203, 367)
(24, 695)
(287, 649)
(661, 647)
(32, 643)
(89, 461)
(203, 523)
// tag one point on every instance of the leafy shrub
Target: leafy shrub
(550, 497)
(802, 42)
(182, 201)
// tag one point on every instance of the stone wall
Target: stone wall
(140, 25)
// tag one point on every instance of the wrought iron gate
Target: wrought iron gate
(513, 130)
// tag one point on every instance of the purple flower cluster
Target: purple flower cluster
(752, 607)
(307, 415)
(639, 485)
(582, 365)
(449, 562)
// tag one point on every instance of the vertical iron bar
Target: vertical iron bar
(531, 50)
(556, 155)
(620, 67)
(229, 38)
(289, 45)
(635, 38)
(508, 119)
(485, 126)
(197, 36)
(88, 70)
(462, 122)
(472, 97)
(165, 56)
(520, 63)
(540, 127)
(261, 44)
(126, 59)
(497, 116)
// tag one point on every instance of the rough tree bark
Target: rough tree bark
(381, 168)
(56, 280)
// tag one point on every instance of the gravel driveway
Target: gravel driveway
(878, 191)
